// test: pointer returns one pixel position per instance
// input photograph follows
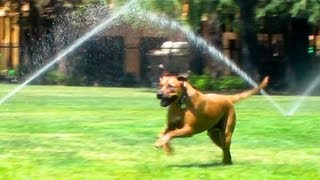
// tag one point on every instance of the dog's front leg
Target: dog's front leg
(183, 132)
(166, 147)
(164, 131)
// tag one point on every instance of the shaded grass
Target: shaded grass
(53, 132)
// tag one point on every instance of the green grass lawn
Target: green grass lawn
(53, 132)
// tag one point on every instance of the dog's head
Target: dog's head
(171, 89)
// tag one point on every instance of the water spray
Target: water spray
(304, 95)
(200, 42)
(101, 26)
(154, 19)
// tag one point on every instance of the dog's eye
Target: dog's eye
(171, 86)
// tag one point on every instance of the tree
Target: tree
(171, 8)
(248, 33)
(296, 20)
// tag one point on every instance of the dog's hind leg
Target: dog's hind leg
(228, 131)
(221, 135)
(219, 138)
(216, 136)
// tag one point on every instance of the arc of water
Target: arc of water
(304, 95)
(154, 19)
(69, 49)
(214, 53)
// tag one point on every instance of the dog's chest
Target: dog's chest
(176, 117)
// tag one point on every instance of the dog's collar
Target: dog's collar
(182, 101)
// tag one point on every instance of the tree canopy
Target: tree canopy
(295, 8)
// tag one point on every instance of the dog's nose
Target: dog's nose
(159, 95)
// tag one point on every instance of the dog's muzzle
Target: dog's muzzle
(165, 99)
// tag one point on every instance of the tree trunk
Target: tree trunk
(32, 36)
(299, 59)
(250, 48)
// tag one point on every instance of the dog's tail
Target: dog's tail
(238, 97)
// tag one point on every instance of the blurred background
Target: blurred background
(280, 39)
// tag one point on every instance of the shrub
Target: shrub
(128, 80)
(201, 82)
(206, 82)
(54, 77)
(226, 83)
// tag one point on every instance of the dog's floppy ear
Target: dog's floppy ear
(184, 76)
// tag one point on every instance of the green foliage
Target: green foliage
(273, 7)
(170, 7)
(77, 80)
(314, 8)
(201, 82)
(54, 77)
(294, 8)
(229, 83)
(205, 82)
(198, 8)
(227, 7)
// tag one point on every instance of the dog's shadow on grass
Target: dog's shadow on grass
(197, 165)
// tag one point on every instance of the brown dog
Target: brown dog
(191, 112)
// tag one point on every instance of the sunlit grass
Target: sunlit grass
(52, 132)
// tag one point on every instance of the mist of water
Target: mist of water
(164, 22)
(96, 29)
(304, 95)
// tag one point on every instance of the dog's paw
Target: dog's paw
(161, 141)
(158, 144)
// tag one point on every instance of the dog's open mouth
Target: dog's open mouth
(166, 101)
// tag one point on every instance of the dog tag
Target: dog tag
(183, 106)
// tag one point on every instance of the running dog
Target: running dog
(191, 112)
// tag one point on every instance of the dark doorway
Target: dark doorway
(100, 61)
